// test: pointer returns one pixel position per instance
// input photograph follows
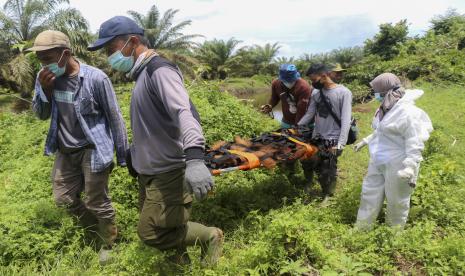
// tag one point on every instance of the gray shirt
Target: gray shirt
(162, 122)
(325, 126)
(70, 134)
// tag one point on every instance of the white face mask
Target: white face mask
(289, 84)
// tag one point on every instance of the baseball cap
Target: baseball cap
(50, 39)
(288, 73)
(113, 27)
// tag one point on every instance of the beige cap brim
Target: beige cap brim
(44, 48)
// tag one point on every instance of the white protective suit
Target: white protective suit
(395, 151)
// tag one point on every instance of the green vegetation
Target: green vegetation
(438, 55)
(271, 226)
(217, 57)
(166, 37)
(246, 86)
(20, 23)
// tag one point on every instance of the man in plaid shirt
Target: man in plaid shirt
(86, 126)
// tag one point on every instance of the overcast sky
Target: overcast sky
(300, 26)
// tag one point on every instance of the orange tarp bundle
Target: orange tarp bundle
(264, 151)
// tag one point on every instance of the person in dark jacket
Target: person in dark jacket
(294, 94)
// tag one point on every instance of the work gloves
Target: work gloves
(408, 173)
(198, 178)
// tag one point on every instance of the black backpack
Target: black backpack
(158, 62)
(353, 131)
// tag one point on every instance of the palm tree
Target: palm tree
(283, 60)
(19, 74)
(264, 58)
(166, 37)
(218, 56)
(347, 56)
(21, 21)
(75, 26)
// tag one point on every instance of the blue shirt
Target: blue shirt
(98, 113)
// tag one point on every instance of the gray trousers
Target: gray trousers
(72, 176)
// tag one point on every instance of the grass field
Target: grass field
(271, 226)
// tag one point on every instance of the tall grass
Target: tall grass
(271, 226)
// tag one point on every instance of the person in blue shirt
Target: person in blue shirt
(86, 127)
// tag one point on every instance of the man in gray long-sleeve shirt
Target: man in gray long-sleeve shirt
(328, 100)
(168, 145)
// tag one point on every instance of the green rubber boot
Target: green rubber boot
(210, 240)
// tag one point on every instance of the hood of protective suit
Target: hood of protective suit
(411, 95)
(402, 132)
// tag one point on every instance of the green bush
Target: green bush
(223, 117)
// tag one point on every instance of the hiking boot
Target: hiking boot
(327, 201)
(214, 249)
(105, 255)
(107, 232)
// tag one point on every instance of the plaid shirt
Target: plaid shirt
(98, 113)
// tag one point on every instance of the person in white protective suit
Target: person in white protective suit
(396, 144)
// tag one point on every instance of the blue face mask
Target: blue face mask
(378, 97)
(121, 63)
(55, 69)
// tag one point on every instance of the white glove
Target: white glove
(360, 145)
(406, 174)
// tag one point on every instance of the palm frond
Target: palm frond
(185, 62)
(139, 18)
(71, 22)
(152, 18)
(19, 71)
(161, 32)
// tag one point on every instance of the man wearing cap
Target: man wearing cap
(168, 145)
(294, 94)
(86, 126)
(337, 73)
(331, 109)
